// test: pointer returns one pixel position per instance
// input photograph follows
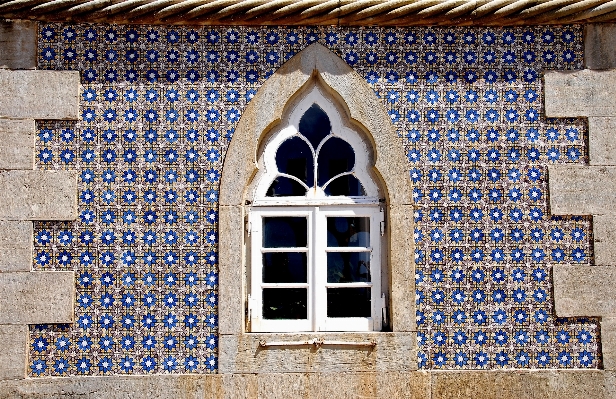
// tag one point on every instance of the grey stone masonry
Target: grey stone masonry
(38, 195)
(37, 297)
(17, 144)
(39, 94)
(600, 46)
(18, 44)
(26, 194)
(16, 244)
(589, 190)
(584, 291)
(14, 346)
(580, 93)
(582, 190)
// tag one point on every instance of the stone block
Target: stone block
(604, 232)
(16, 245)
(582, 190)
(600, 46)
(392, 352)
(39, 94)
(584, 291)
(18, 44)
(17, 143)
(231, 275)
(38, 195)
(37, 297)
(602, 140)
(608, 342)
(401, 265)
(553, 384)
(580, 93)
(13, 351)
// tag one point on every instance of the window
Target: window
(315, 226)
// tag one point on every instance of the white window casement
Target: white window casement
(315, 227)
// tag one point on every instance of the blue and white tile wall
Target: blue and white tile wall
(159, 106)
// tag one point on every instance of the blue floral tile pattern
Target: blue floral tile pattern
(158, 109)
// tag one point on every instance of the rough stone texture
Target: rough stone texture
(604, 232)
(13, 351)
(231, 277)
(476, 384)
(37, 297)
(554, 384)
(17, 44)
(17, 143)
(600, 46)
(39, 94)
(580, 93)
(582, 190)
(16, 244)
(401, 268)
(38, 195)
(393, 352)
(601, 140)
(584, 290)
(608, 342)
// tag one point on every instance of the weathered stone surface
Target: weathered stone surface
(13, 351)
(37, 297)
(16, 143)
(39, 94)
(401, 268)
(38, 195)
(608, 342)
(554, 384)
(584, 290)
(18, 44)
(231, 274)
(580, 93)
(602, 140)
(16, 242)
(599, 46)
(582, 190)
(476, 384)
(392, 352)
(604, 232)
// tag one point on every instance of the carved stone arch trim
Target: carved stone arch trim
(240, 166)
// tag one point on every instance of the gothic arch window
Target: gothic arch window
(315, 226)
(357, 171)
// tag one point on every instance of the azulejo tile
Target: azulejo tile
(158, 109)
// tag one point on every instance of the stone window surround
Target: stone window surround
(238, 350)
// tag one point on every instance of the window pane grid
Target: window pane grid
(289, 249)
(347, 249)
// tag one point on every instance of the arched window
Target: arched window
(315, 225)
(287, 203)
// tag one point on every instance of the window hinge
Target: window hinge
(250, 308)
(384, 308)
(248, 225)
(382, 223)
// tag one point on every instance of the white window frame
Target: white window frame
(317, 284)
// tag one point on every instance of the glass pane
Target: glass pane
(285, 187)
(285, 267)
(347, 185)
(314, 125)
(285, 232)
(348, 267)
(335, 157)
(295, 158)
(348, 302)
(348, 232)
(285, 303)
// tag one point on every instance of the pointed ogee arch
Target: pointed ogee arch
(364, 110)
